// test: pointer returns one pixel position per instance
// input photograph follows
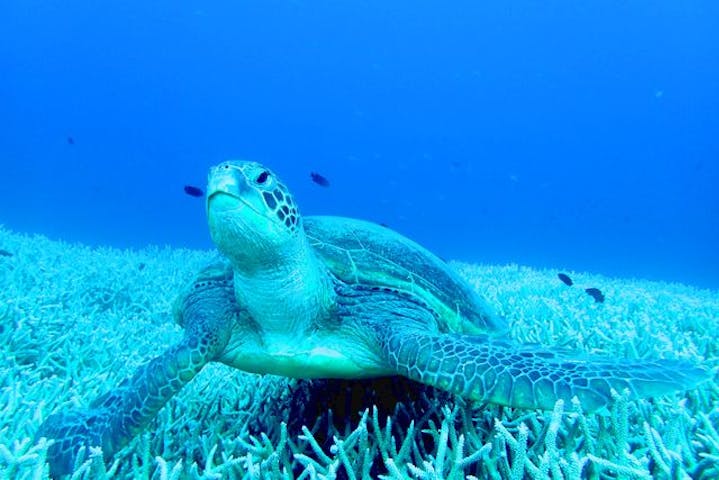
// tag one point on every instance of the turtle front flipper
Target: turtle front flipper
(114, 418)
(499, 371)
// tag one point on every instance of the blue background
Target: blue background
(580, 135)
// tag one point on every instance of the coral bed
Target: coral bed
(75, 321)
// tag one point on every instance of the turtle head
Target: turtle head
(251, 214)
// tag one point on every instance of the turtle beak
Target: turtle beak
(227, 179)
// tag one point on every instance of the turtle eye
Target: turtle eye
(262, 177)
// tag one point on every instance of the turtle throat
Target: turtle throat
(288, 294)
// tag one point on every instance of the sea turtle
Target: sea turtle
(331, 297)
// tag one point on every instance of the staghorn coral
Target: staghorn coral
(59, 349)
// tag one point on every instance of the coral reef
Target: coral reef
(74, 321)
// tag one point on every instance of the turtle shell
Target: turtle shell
(363, 253)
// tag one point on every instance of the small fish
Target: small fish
(193, 191)
(456, 166)
(383, 225)
(565, 279)
(141, 266)
(5, 253)
(319, 179)
(596, 294)
(70, 140)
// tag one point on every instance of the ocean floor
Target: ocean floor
(75, 321)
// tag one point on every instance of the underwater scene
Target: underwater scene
(287, 239)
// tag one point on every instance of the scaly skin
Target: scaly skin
(500, 371)
(114, 418)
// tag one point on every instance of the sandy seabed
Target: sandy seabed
(75, 321)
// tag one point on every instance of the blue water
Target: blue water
(574, 135)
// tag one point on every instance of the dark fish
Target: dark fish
(5, 253)
(596, 294)
(565, 279)
(193, 191)
(141, 266)
(383, 225)
(319, 179)
(71, 140)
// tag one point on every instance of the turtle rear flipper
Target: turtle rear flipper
(115, 417)
(499, 371)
